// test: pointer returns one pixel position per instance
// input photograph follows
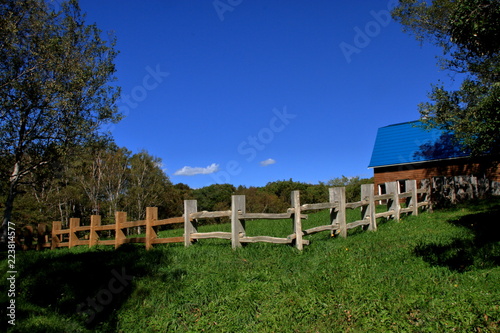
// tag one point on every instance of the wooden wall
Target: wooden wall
(480, 168)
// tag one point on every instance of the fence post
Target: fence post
(95, 221)
(151, 217)
(41, 232)
(393, 204)
(120, 218)
(238, 203)
(297, 221)
(190, 207)
(411, 186)
(367, 193)
(333, 212)
(74, 222)
(339, 196)
(429, 195)
(56, 226)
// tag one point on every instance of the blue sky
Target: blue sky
(248, 92)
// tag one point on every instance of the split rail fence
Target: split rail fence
(414, 198)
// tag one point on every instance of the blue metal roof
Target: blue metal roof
(410, 143)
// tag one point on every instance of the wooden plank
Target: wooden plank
(321, 228)
(95, 220)
(151, 217)
(60, 232)
(133, 224)
(384, 214)
(74, 222)
(106, 227)
(358, 204)
(383, 197)
(358, 223)
(214, 234)
(319, 206)
(266, 239)
(304, 241)
(297, 221)
(82, 228)
(270, 216)
(172, 220)
(411, 186)
(267, 216)
(238, 209)
(368, 212)
(169, 240)
(205, 214)
(393, 203)
(56, 227)
(292, 211)
(339, 196)
(404, 195)
(106, 242)
(190, 207)
(406, 210)
(80, 242)
(333, 211)
(135, 240)
(120, 218)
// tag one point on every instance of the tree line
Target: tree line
(100, 178)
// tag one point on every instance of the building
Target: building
(408, 151)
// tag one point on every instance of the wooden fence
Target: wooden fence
(414, 199)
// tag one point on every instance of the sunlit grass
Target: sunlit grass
(436, 272)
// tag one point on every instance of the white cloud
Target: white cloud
(190, 171)
(267, 162)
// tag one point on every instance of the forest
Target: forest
(100, 178)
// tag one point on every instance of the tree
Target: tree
(55, 86)
(260, 201)
(469, 33)
(352, 186)
(115, 174)
(214, 197)
(101, 171)
(174, 199)
(147, 184)
(283, 189)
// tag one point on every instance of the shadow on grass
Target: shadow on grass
(482, 250)
(85, 288)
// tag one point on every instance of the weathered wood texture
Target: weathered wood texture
(238, 211)
(297, 221)
(70, 238)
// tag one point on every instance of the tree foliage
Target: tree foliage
(214, 197)
(55, 91)
(352, 186)
(100, 179)
(469, 33)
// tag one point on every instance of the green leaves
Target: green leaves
(55, 91)
(469, 33)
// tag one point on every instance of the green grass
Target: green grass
(437, 272)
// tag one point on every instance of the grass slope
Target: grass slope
(437, 272)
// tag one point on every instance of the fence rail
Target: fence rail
(414, 198)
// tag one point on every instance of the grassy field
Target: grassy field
(437, 272)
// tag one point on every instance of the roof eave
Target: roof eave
(419, 162)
